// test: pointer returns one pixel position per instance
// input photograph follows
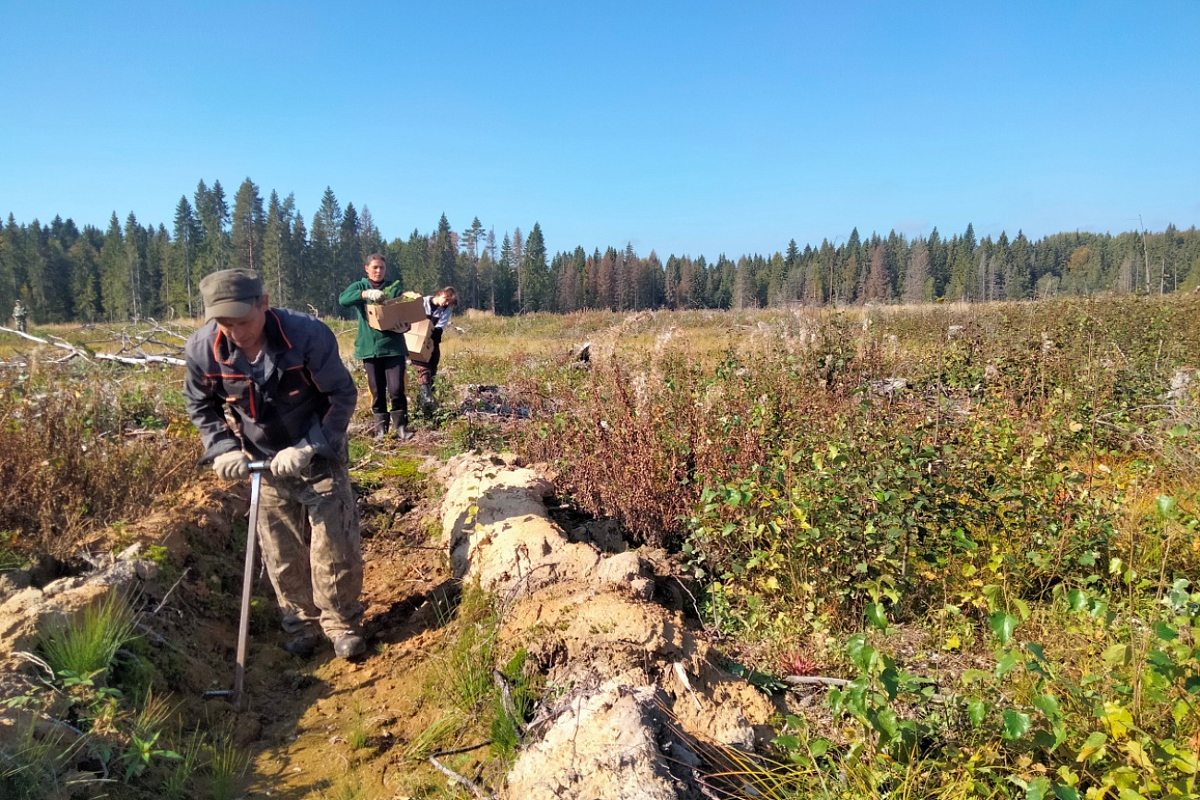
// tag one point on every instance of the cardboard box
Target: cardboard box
(395, 315)
(419, 340)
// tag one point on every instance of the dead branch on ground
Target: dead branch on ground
(459, 779)
(140, 358)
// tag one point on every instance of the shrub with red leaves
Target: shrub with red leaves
(794, 663)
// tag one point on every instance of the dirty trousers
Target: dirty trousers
(427, 370)
(308, 526)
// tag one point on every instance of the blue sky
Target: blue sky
(695, 128)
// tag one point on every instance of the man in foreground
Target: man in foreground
(280, 375)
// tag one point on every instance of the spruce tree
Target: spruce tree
(775, 281)
(369, 238)
(579, 267)
(298, 261)
(651, 291)
(671, 282)
(318, 287)
(114, 273)
(85, 279)
(1002, 267)
(536, 271)
(1019, 286)
(445, 255)
(414, 263)
(820, 275)
(877, 285)
(685, 290)
(606, 280)
(793, 255)
(918, 284)
(504, 286)
(38, 275)
(155, 276)
(518, 253)
(220, 214)
(187, 230)
(212, 252)
(487, 272)
(249, 227)
(12, 277)
(273, 248)
(471, 240)
(322, 284)
(722, 279)
(349, 258)
(136, 243)
(295, 250)
(939, 266)
(895, 250)
(65, 233)
(487, 275)
(968, 240)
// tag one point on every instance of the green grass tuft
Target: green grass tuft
(33, 767)
(178, 785)
(227, 764)
(86, 644)
(349, 788)
(510, 714)
(360, 734)
(433, 738)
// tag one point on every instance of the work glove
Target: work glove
(232, 466)
(373, 295)
(288, 462)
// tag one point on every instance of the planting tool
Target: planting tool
(257, 468)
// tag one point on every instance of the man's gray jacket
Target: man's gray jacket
(306, 395)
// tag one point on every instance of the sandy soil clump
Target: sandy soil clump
(638, 686)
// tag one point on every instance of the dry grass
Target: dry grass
(81, 450)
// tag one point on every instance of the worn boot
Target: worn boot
(304, 644)
(400, 426)
(428, 406)
(381, 425)
(349, 645)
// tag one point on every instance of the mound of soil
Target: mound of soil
(637, 693)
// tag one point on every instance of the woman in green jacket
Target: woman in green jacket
(383, 353)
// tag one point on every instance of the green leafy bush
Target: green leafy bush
(794, 477)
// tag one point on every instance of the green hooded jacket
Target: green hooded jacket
(371, 343)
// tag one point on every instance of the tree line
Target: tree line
(134, 271)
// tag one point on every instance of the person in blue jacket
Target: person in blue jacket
(383, 353)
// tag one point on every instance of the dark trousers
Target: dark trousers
(427, 370)
(387, 372)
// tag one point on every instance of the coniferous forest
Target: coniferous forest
(131, 270)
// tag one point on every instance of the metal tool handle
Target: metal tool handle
(257, 468)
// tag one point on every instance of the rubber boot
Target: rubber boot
(381, 425)
(400, 426)
(427, 402)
